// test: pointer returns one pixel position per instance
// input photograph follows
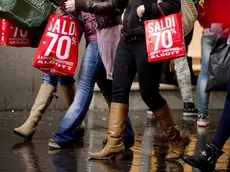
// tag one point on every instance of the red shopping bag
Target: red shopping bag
(57, 52)
(13, 36)
(164, 38)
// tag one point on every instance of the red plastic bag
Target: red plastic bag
(164, 38)
(57, 52)
(13, 36)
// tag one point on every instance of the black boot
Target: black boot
(205, 160)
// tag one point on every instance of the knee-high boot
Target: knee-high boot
(177, 140)
(43, 100)
(117, 121)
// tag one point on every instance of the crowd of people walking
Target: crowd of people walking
(114, 55)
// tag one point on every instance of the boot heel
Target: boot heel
(27, 138)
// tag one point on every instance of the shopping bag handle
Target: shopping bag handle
(57, 3)
(160, 9)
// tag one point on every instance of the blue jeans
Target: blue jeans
(92, 71)
(53, 80)
(207, 42)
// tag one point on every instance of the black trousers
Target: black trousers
(131, 58)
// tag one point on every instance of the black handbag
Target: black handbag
(219, 65)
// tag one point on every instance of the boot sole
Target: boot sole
(110, 158)
(27, 138)
(195, 165)
(186, 141)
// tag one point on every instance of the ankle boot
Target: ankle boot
(68, 92)
(205, 160)
(43, 100)
(114, 145)
(177, 141)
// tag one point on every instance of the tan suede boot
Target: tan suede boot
(43, 100)
(68, 92)
(178, 141)
(117, 122)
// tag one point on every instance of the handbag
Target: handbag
(57, 52)
(189, 14)
(164, 38)
(219, 65)
(25, 13)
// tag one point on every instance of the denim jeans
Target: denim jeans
(53, 80)
(92, 71)
(207, 42)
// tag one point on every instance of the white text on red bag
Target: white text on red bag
(13, 36)
(58, 50)
(164, 38)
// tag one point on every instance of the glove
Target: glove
(140, 11)
(70, 6)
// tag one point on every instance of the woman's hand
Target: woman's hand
(141, 11)
(70, 6)
(59, 11)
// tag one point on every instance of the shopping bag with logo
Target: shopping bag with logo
(25, 13)
(164, 38)
(57, 52)
(13, 36)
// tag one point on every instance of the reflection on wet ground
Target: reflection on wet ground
(147, 155)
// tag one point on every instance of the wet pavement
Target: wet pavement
(147, 155)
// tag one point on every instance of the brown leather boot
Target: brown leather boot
(68, 92)
(114, 145)
(43, 100)
(177, 141)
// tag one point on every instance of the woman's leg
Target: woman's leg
(45, 95)
(207, 42)
(223, 129)
(68, 89)
(68, 129)
(105, 86)
(124, 73)
(149, 77)
(184, 81)
(206, 159)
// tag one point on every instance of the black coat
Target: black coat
(105, 11)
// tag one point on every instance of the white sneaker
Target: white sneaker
(149, 112)
(202, 121)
